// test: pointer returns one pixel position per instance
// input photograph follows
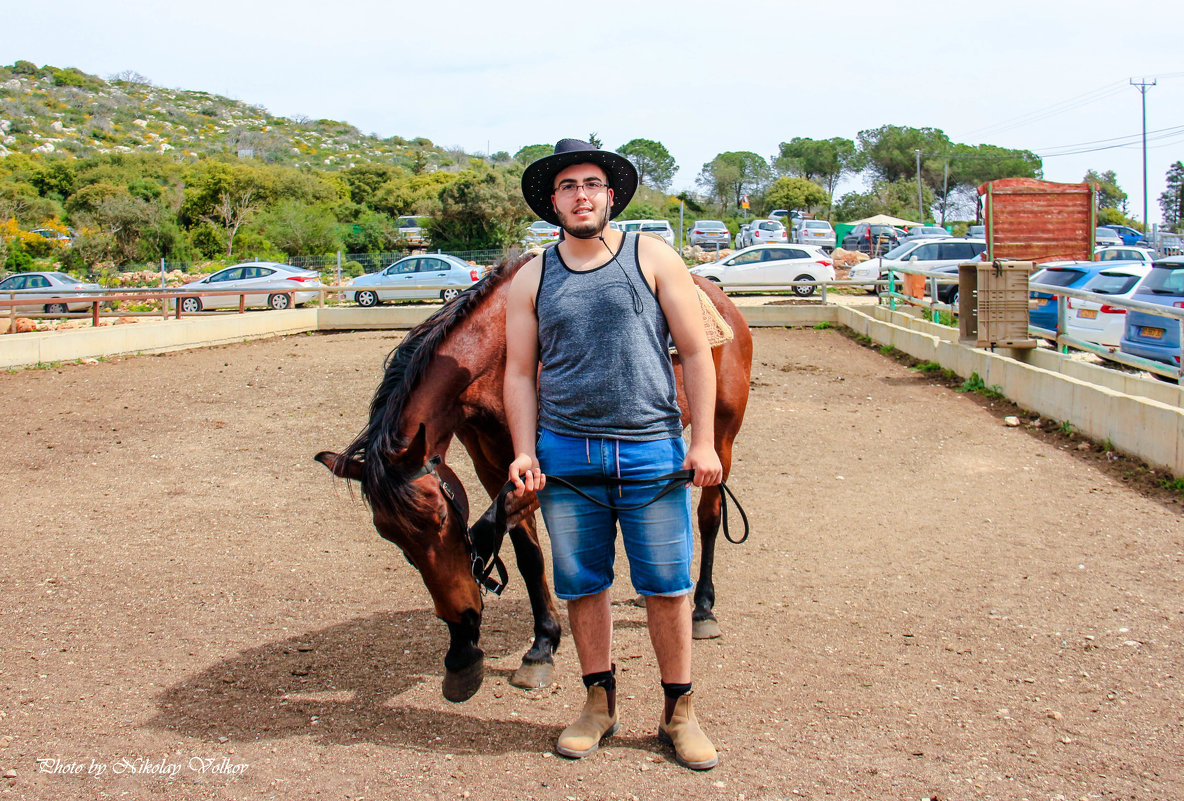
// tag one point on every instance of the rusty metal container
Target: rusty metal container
(1038, 221)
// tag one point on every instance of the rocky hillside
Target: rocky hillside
(49, 110)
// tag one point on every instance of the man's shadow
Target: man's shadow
(341, 685)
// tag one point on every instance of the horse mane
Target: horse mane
(403, 368)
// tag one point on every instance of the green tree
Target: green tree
(532, 153)
(896, 198)
(795, 193)
(298, 228)
(594, 140)
(364, 180)
(482, 208)
(1171, 202)
(823, 161)
(891, 152)
(55, 178)
(655, 166)
(970, 166)
(730, 176)
(411, 194)
(1109, 193)
(370, 232)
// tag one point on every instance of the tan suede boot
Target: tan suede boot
(691, 746)
(594, 724)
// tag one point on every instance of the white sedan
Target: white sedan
(771, 267)
(1103, 323)
(1125, 253)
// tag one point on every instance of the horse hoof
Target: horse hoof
(463, 684)
(707, 629)
(533, 675)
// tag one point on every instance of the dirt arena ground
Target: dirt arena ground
(931, 605)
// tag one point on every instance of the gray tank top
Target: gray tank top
(606, 369)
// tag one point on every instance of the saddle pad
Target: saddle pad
(717, 329)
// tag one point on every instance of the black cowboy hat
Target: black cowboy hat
(538, 181)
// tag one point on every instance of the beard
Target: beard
(587, 230)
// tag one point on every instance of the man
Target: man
(595, 312)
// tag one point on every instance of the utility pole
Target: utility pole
(1142, 87)
(920, 211)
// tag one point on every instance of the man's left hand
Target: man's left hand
(705, 462)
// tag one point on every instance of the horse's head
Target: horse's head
(412, 509)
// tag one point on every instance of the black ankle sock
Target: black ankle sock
(604, 678)
(675, 691)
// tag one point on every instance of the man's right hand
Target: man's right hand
(526, 475)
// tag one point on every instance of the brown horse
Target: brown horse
(445, 379)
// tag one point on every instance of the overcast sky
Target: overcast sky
(1050, 76)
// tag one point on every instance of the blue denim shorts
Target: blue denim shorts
(658, 538)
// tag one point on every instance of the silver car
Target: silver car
(415, 278)
(540, 232)
(814, 232)
(60, 289)
(276, 286)
(709, 232)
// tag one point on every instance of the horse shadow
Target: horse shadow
(341, 685)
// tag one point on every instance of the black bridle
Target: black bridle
(483, 540)
(481, 544)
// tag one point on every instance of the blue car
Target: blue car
(1072, 274)
(1149, 335)
(1128, 235)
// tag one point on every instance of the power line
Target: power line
(1085, 99)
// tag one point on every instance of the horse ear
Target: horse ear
(339, 466)
(415, 456)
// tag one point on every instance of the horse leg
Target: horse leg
(704, 626)
(464, 664)
(537, 663)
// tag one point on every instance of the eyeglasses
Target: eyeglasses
(569, 189)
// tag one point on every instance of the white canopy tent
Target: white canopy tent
(884, 219)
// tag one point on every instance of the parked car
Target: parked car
(55, 236)
(764, 232)
(771, 266)
(1106, 237)
(709, 232)
(742, 236)
(934, 255)
(1103, 323)
(919, 232)
(976, 232)
(1149, 335)
(1128, 235)
(64, 292)
(660, 227)
(778, 214)
(415, 278)
(815, 232)
(412, 229)
(540, 232)
(871, 239)
(276, 286)
(1125, 253)
(1072, 274)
